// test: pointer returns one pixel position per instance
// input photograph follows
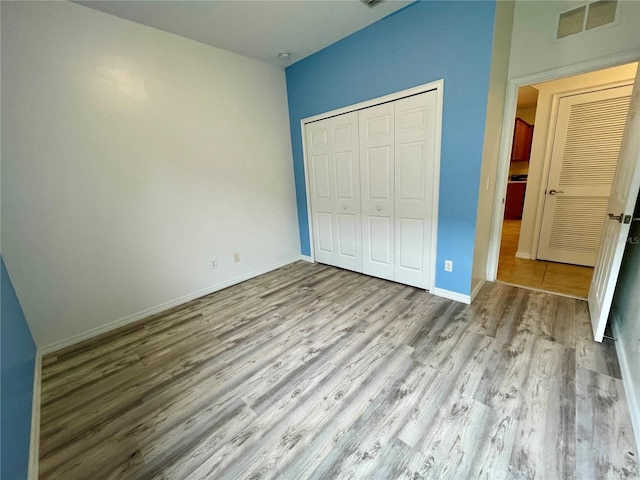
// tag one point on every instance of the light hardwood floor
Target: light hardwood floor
(316, 372)
(563, 278)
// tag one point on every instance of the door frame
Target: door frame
(506, 138)
(438, 87)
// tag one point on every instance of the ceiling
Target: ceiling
(527, 97)
(257, 29)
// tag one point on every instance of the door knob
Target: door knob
(378, 208)
(554, 192)
(344, 207)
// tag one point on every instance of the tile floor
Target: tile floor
(573, 280)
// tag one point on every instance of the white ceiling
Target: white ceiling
(257, 29)
(527, 96)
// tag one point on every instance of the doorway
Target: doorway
(533, 198)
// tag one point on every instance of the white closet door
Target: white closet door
(332, 146)
(377, 184)
(415, 150)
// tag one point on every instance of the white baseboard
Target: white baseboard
(107, 327)
(34, 442)
(306, 258)
(633, 396)
(523, 255)
(479, 286)
(458, 297)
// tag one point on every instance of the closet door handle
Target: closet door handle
(344, 207)
(555, 192)
(378, 208)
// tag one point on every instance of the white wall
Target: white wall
(534, 48)
(541, 146)
(131, 159)
(625, 319)
(491, 146)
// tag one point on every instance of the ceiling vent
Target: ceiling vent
(371, 3)
(586, 17)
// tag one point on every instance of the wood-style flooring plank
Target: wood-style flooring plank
(311, 371)
(604, 440)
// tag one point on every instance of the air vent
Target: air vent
(571, 22)
(371, 3)
(601, 13)
(586, 17)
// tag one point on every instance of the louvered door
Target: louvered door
(585, 152)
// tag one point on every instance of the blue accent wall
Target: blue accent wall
(17, 362)
(424, 42)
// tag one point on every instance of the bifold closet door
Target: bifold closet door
(414, 172)
(334, 170)
(377, 185)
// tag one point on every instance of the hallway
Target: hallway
(572, 280)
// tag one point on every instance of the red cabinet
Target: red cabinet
(514, 202)
(522, 137)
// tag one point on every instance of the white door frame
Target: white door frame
(506, 138)
(438, 87)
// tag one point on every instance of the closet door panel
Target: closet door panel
(324, 228)
(333, 153)
(414, 170)
(347, 235)
(346, 184)
(379, 162)
(410, 244)
(321, 177)
(377, 184)
(379, 233)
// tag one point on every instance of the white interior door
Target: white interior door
(586, 147)
(415, 150)
(377, 184)
(621, 203)
(332, 150)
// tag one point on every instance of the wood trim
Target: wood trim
(438, 86)
(435, 201)
(476, 290)
(633, 400)
(305, 167)
(160, 308)
(458, 297)
(34, 441)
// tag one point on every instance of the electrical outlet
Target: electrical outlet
(236, 257)
(448, 266)
(214, 264)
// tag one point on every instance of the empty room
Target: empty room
(261, 239)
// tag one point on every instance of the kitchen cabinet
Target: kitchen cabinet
(522, 138)
(514, 203)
